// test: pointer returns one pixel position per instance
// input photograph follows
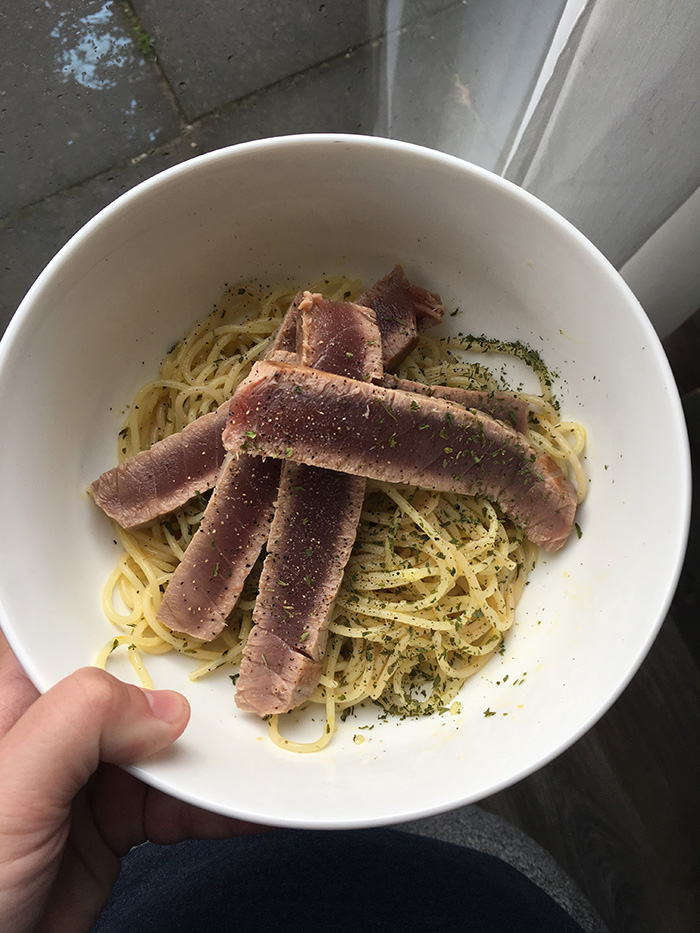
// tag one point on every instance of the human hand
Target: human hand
(67, 813)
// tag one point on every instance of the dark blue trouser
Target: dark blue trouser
(331, 882)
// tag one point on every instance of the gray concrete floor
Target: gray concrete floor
(98, 95)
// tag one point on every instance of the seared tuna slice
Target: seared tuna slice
(161, 479)
(403, 311)
(310, 541)
(339, 337)
(313, 530)
(274, 677)
(208, 581)
(500, 405)
(309, 545)
(285, 340)
(356, 427)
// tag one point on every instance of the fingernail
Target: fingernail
(165, 704)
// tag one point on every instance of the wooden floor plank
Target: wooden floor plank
(620, 810)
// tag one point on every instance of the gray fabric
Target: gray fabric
(475, 828)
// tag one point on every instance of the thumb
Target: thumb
(52, 750)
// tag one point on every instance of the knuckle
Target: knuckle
(96, 689)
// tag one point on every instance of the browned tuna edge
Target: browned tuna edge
(274, 677)
(342, 424)
(313, 529)
(158, 480)
(403, 311)
(339, 337)
(310, 542)
(209, 579)
(161, 479)
(504, 406)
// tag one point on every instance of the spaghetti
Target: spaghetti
(434, 578)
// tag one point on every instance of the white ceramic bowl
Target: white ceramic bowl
(106, 309)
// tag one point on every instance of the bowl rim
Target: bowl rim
(30, 303)
(194, 164)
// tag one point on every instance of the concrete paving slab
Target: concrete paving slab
(215, 52)
(31, 237)
(336, 97)
(438, 81)
(76, 95)
(432, 6)
(397, 86)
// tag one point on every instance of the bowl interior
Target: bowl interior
(103, 314)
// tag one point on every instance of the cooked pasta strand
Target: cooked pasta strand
(432, 585)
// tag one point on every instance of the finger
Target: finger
(128, 812)
(49, 754)
(17, 692)
(168, 820)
